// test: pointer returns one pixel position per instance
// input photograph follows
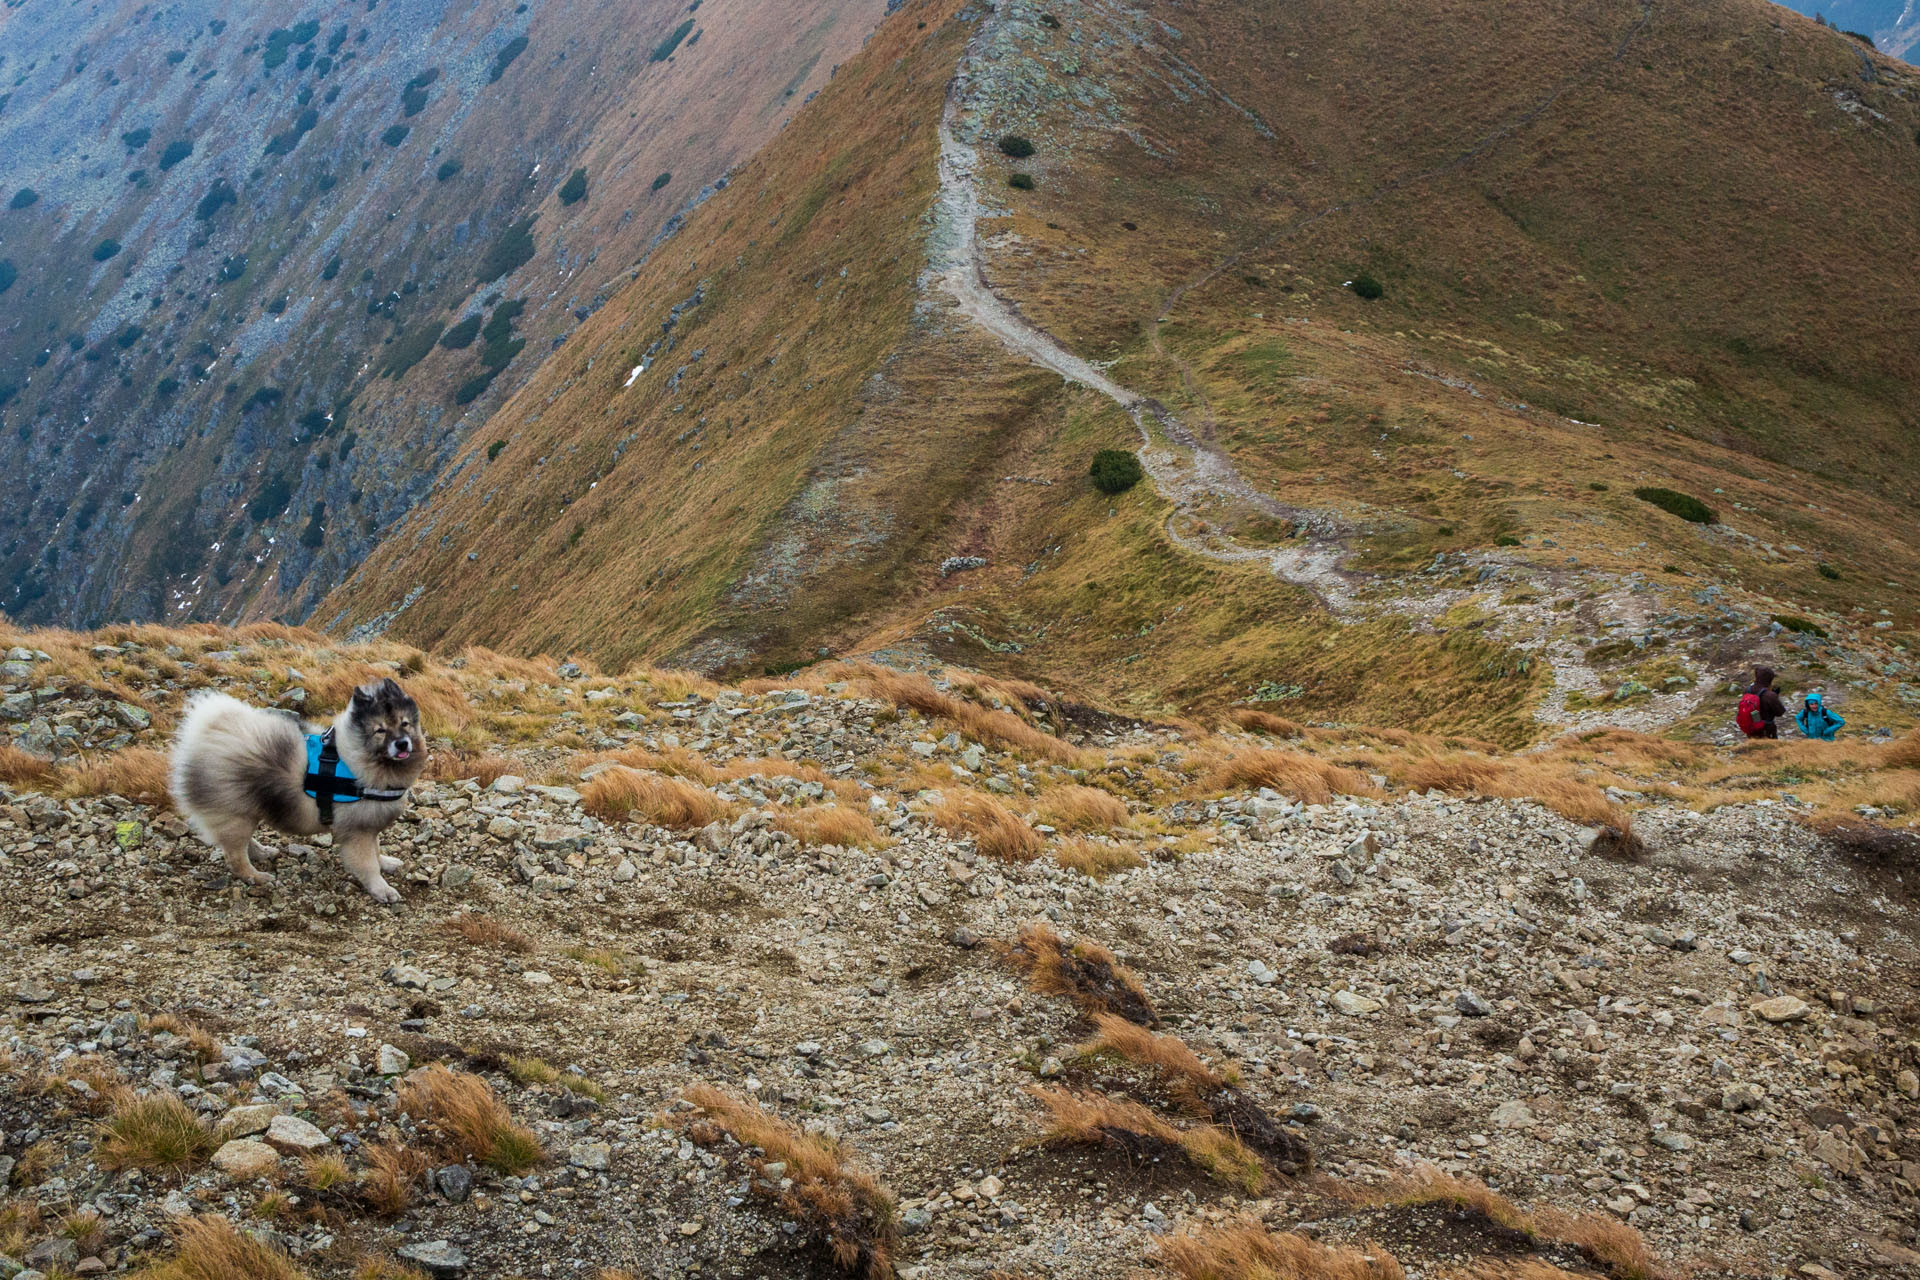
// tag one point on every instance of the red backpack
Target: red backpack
(1748, 716)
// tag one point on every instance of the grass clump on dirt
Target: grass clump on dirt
(904, 689)
(620, 793)
(1243, 1249)
(1676, 503)
(1085, 973)
(848, 1209)
(1088, 1117)
(158, 1133)
(1604, 1240)
(831, 824)
(393, 1171)
(1199, 1090)
(208, 1248)
(1076, 809)
(485, 931)
(1096, 859)
(1265, 722)
(1304, 777)
(469, 1120)
(996, 831)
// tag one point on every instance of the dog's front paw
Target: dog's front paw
(259, 879)
(390, 865)
(383, 892)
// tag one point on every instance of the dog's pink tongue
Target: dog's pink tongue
(401, 755)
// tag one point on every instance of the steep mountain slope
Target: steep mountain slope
(1622, 246)
(247, 264)
(1892, 25)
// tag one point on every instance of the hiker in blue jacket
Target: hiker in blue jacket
(1816, 721)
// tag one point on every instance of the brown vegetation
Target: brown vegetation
(393, 1169)
(1266, 722)
(831, 824)
(486, 931)
(1075, 809)
(997, 831)
(18, 769)
(158, 1133)
(1291, 773)
(1096, 858)
(1243, 1249)
(208, 1248)
(620, 794)
(1092, 1118)
(904, 689)
(847, 1208)
(469, 1120)
(1086, 973)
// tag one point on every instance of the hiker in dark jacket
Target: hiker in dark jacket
(1771, 707)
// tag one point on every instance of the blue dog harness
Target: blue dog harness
(330, 782)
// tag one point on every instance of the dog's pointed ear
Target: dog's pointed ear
(363, 696)
(391, 688)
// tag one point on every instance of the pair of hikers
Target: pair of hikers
(1761, 707)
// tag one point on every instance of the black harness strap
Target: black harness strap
(324, 783)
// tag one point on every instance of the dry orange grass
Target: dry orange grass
(393, 1170)
(916, 691)
(209, 1248)
(453, 764)
(387, 1269)
(996, 830)
(1096, 858)
(831, 824)
(1552, 783)
(1086, 973)
(1244, 1249)
(1092, 1118)
(1606, 1240)
(620, 793)
(1306, 778)
(1902, 753)
(1191, 1080)
(1082, 809)
(469, 1119)
(18, 769)
(1266, 722)
(158, 1133)
(848, 1207)
(202, 1043)
(1510, 1269)
(485, 931)
(135, 773)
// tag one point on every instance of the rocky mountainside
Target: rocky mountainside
(1631, 407)
(265, 272)
(944, 975)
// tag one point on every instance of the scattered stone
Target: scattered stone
(293, 1136)
(1352, 1002)
(244, 1159)
(1472, 1005)
(1781, 1009)
(440, 1258)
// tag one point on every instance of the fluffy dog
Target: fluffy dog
(235, 767)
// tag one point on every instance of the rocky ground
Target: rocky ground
(1715, 1044)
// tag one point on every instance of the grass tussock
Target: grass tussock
(1201, 1091)
(1553, 783)
(831, 824)
(322, 1172)
(1090, 1118)
(201, 1043)
(1096, 858)
(1604, 1240)
(158, 1133)
(904, 689)
(1306, 778)
(621, 794)
(208, 1248)
(485, 931)
(540, 1071)
(1085, 973)
(846, 1207)
(1078, 809)
(135, 773)
(455, 764)
(1267, 723)
(469, 1120)
(1243, 1249)
(996, 830)
(18, 769)
(393, 1171)
(387, 1269)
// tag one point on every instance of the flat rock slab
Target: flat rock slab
(295, 1136)
(1781, 1009)
(441, 1258)
(245, 1158)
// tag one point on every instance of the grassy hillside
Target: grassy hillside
(1619, 248)
(247, 262)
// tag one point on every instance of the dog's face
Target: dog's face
(387, 722)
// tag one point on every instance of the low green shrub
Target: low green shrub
(1115, 470)
(1827, 571)
(574, 189)
(396, 134)
(1016, 146)
(460, 336)
(177, 150)
(493, 450)
(1803, 626)
(447, 169)
(1676, 503)
(664, 50)
(22, 198)
(105, 249)
(504, 59)
(1020, 181)
(513, 249)
(1367, 287)
(662, 181)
